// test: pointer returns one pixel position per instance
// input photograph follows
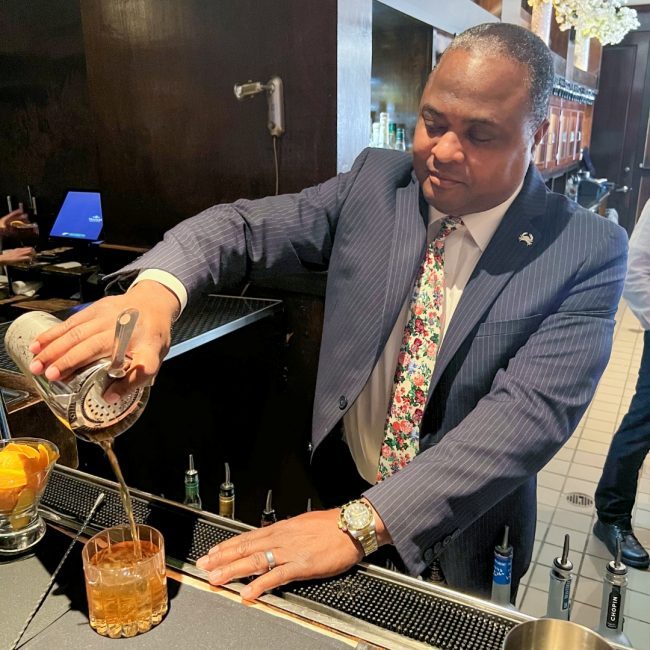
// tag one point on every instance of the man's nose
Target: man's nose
(448, 148)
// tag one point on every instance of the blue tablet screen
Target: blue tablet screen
(80, 217)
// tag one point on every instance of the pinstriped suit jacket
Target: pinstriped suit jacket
(519, 362)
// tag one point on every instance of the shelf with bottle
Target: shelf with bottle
(386, 134)
(569, 132)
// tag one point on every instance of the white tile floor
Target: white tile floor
(576, 468)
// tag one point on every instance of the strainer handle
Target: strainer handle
(123, 331)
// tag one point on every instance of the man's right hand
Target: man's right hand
(88, 335)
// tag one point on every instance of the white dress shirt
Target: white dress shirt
(363, 424)
(168, 280)
(637, 282)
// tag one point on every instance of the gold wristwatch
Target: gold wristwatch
(358, 521)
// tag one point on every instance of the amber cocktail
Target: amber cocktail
(127, 589)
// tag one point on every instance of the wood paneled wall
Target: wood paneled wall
(136, 97)
(46, 130)
(172, 138)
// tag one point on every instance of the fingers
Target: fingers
(54, 333)
(18, 214)
(277, 577)
(75, 346)
(235, 548)
(254, 564)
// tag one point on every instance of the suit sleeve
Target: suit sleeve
(227, 243)
(533, 406)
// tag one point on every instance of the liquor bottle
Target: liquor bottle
(502, 574)
(383, 131)
(392, 135)
(227, 496)
(559, 589)
(611, 609)
(192, 497)
(400, 143)
(374, 135)
(268, 514)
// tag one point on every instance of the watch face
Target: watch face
(357, 516)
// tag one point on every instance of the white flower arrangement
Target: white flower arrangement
(607, 20)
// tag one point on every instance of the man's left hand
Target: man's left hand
(308, 546)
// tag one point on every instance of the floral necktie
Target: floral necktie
(416, 359)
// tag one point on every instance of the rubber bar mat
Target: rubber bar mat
(406, 611)
(402, 609)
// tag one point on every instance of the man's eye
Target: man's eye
(480, 138)
(435, 129)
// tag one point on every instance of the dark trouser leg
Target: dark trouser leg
(616, 490)
(334, 473)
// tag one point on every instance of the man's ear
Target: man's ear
(539, 134)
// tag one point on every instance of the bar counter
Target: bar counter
(367, 605)
(199, 616)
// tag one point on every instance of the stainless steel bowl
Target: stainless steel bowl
(553, 634)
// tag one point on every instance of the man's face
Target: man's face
(472, 141)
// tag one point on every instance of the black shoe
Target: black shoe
(632, 552)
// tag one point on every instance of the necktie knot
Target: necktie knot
(447, 226)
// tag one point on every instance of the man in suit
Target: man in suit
(520, 285)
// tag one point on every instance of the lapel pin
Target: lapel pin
(526, 238)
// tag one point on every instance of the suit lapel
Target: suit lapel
(505, 255)
(407, 252)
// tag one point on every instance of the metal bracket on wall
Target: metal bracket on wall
(275, 95)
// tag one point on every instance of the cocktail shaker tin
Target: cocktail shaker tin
(77, 402)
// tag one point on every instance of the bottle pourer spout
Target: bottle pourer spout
(506, 532)
(565, 550)
(227, 484)
(619, 552)
(563, 562)
(269, 502)
(503, 547)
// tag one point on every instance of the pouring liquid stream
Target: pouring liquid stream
(107, 446)
(123, 332)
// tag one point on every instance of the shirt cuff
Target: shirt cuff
(167, 280)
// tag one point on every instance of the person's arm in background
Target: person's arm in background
(637, 282)
(22, 254)
(17, 223)
(12, 224)
(223, 245)
(18, 215)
